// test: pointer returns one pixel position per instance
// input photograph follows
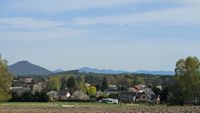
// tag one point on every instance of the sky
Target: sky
(104, 34)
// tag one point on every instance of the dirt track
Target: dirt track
(103, 109)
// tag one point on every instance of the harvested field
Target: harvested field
(97, 109)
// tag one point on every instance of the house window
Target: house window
(143, 96)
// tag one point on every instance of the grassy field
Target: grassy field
(77, 107)
(55, 104)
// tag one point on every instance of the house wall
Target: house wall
(143, 98)
(127, 98)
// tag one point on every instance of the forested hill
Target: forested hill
(27, 68)
(126, 79)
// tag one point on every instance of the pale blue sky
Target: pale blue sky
(112, 34)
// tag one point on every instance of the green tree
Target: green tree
(54, 83)
(188, 79)
(164, 95)
(138, 80)
(5, 80)
(104, 84)
(80, 78)
(92, 91)
(80, 85)
(72, 84)
(76, 84)
(64, 82)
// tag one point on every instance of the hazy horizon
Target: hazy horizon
(120, 34)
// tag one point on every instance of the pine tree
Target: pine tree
(104, 84)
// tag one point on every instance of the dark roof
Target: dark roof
(113, 91)
(63, 92)
(126, 93)
(149, 93)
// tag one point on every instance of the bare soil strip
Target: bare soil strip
(99, 109)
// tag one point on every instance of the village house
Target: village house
(22, 82)
(79, 95)
(53, 95)
(64, 95)
(19, 90)
(28, 80)
(143, 94)
(147, 96)
(38, 87)
(137, 88)
(113, 92)
(127, 97)
(113, 87)
(87, 85)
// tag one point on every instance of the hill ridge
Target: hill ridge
(26, 68)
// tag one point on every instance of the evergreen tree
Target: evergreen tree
(104, 84)
(72, 83)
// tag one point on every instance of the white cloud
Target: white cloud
(56, 33)
(28, 23)
(52, 6)
(186, 14)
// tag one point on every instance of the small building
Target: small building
(28, 80)
(137, 88)
(127, 97)
(37, 88)
(147, 96)
(113, 93)
(87, 85)
(113, 87)
(53, 95)
(64, 94)
(80, 95)
(19, 90)
(159, 87)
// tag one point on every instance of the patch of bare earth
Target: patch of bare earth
(99, 109)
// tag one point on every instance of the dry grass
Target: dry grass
(92, 108)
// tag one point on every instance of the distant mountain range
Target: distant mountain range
(155, 72)
(27, 68)
(58, 71)
(103, 71)
(110, 71)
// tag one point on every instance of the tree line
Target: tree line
(182, 88)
